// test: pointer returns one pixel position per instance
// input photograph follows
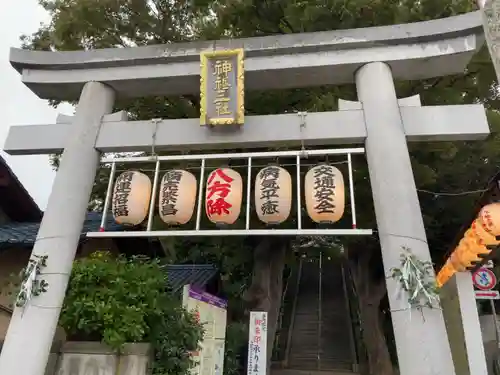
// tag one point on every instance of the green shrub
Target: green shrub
(235, 348)
(119, 300)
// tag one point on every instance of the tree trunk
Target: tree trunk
(265, 293)
(379, 359)
(370, 292)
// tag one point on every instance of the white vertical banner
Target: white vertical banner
(257, 343)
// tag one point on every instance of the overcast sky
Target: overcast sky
(19, 106)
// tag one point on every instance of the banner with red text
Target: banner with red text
(257, 343)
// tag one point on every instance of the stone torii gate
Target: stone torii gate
(371, 58)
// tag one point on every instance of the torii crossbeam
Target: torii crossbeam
(371, 58)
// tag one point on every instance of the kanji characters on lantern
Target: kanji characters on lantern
(273, 194)
(223, 196)
(489, 218)
(324, 193)
(177, 197)
(131, 196)
(474, 246)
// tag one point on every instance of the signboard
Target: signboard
(484, 279)
(211, 312)
(489, 294)
(488, 264)
(257, 343)
(222, 88)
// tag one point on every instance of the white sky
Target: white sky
(19, 106)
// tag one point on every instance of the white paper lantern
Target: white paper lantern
(131, 197)
(223, 196)
(273, 194)
(324, 191)
(177, 197)
(489, 218)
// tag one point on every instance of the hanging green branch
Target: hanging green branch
(416, 277)
(30, 285)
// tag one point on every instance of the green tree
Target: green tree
(441, 167)
(119, 300)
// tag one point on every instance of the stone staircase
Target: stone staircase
(321, 338)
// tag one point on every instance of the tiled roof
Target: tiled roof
(24, 234)
(15, 200)
(198, 275)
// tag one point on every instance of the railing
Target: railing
(292, 314)
(249, 157)
(279, 326)
(359, 350)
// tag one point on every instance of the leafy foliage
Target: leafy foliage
(30, 285)
(235, 353)
(416, 278)
(119, 300)
(438, 167)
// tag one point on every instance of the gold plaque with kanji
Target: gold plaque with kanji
(222, 88)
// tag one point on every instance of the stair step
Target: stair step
(313, 372)
(314, 366)
(333, 348)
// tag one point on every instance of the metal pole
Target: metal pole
(351, 192)
(320, 312)
(249, 189)
(495, 322)
(299, 196)
(151, 213)
(108, 197)
(243, 155)
(32, 328)
(200, 194)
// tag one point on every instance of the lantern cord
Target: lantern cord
(302, 125)
(375, 231)
(156, 122)
(453, 194)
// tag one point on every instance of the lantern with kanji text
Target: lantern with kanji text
(131, 197)
(445, 273)
(177, 197)
(489, 218)
(273, 194)
(473, 248)
(478, 232)
(325, 193)
(223, 196)
(467, 253)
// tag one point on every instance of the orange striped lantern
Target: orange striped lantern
(445, 274)
(482, 235)
(489, 218)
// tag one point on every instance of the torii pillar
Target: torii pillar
(372, 58)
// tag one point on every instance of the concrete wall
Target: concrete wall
(92, 358)
(462, 325)
(12, 262)
(488, 333)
